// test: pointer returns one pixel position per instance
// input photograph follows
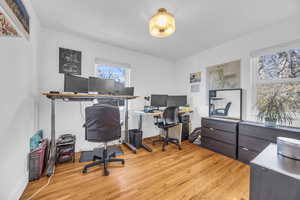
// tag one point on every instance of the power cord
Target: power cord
(39, 190)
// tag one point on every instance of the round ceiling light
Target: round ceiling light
(162, 24)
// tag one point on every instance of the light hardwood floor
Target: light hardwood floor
(193, 173)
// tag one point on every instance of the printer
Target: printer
(288, 147)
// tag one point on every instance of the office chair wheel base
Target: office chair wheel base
(123, 162)
(84, 171)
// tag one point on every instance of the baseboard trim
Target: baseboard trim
(19, 189)
(152, 137)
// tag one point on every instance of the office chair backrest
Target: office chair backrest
(102, 123)
(226, 110)
(170, 115)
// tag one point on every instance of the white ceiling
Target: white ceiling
(200, 24)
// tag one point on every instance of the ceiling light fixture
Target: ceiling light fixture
(162, 24)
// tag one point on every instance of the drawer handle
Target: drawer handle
(211, 129)
(245, 149)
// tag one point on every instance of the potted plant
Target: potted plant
(275, 108)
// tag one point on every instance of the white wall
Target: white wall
(18, 105)
(148, 75)
(240, 48)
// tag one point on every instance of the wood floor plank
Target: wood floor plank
(194, 173)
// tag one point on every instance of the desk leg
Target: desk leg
(141, 129)
(52, 157)
(126, 142)
(140, 122)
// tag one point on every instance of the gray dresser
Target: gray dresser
(255, 137)
(274, 177)
(220, 135)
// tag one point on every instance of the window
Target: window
(119, 72)
(116, 71)
(280, 66)
(279, 73)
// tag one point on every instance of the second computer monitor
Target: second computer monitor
(103, 86)
(177, 101)
(75, 84)
(159, 100)
(127, 91)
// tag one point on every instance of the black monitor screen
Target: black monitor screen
(129, 91)
(75, 84)
(177, 101)
(104, 86)
(119, 86)
(159, 100)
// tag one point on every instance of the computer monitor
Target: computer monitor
(103, 86)
(75, 84)
(128, 91)
(177, 101)
(119, 86)
(159, 100)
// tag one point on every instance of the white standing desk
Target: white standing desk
(158, 113)
(81, 97)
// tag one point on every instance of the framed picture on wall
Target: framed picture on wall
(224, 76)
(6, 28)
(17, 15)
(195, 77)
(69, 61)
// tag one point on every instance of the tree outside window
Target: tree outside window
(116, 73)
(280, 72)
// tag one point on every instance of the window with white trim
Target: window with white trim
(119, 72)
(278, 71)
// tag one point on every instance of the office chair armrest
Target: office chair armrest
(157, 118)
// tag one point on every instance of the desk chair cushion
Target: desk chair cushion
(102, 123)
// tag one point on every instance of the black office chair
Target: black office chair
(169, 120)
(222, 111)
(102, 125)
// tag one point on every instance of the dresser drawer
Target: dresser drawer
(219, 135)
(220, 125)
(267, 133)
(253, 143)
(245, 155)
(220, 147)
